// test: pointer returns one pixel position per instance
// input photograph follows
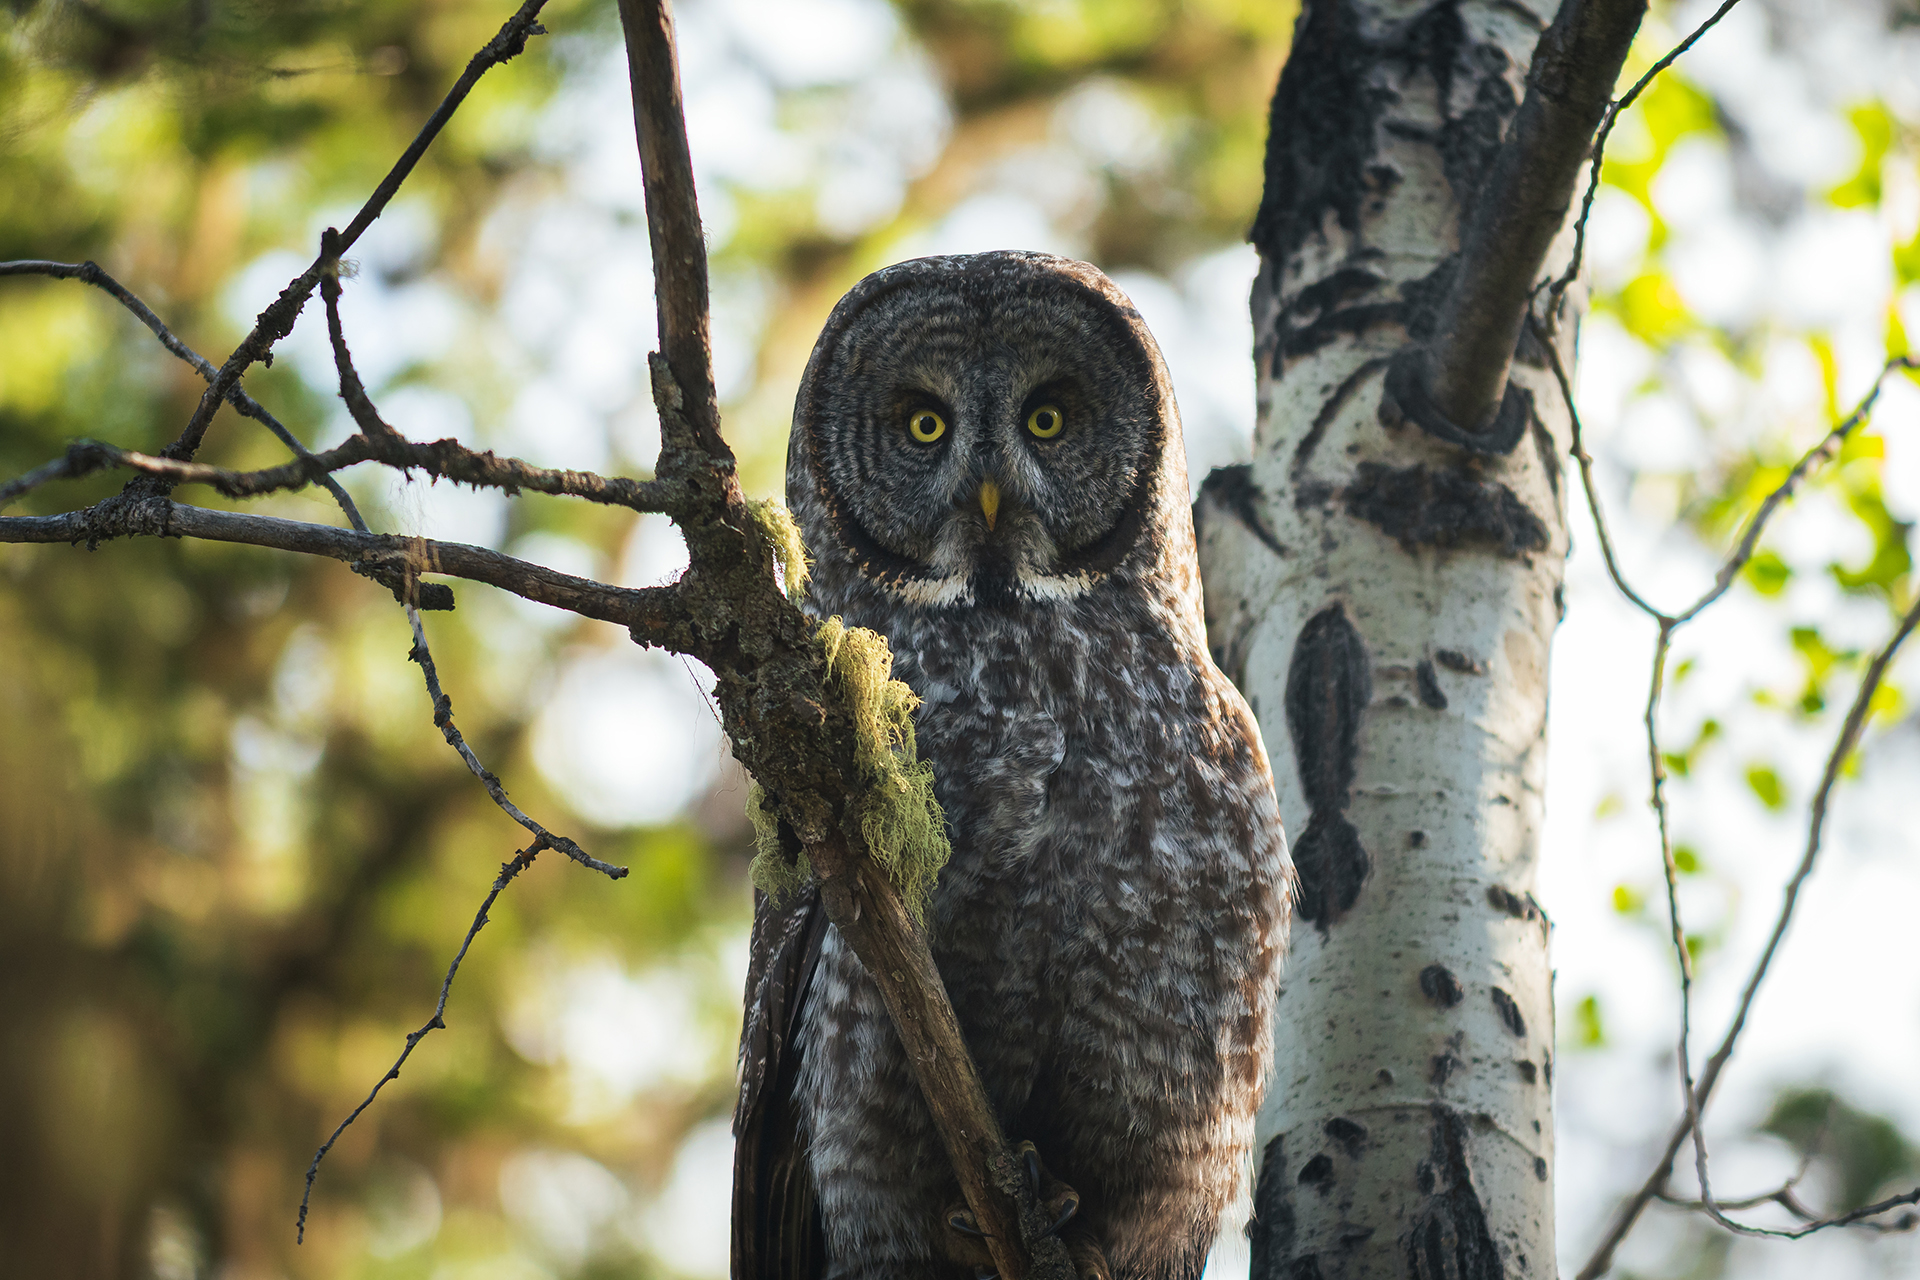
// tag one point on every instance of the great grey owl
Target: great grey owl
(987, 468)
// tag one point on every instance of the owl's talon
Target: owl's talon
(1069, 1205)
(1030, 1158)
(965, 1223)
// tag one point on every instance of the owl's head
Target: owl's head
(986, 429)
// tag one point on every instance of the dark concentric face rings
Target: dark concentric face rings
(997, 413)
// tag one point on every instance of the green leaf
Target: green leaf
(1768, 574)
(1875, 128)
(1589, 1032)
(1766, 784)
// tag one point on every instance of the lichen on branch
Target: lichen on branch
(899, 819)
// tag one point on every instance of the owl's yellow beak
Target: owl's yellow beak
(990, 501)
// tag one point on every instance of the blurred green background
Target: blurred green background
(235, 856)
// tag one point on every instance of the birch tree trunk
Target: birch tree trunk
(1385, 589)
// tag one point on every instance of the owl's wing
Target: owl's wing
(776, 1222)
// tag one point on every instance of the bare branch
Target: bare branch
(277, 321)
(90, 273)
(1567, 277)
(1523, 207)
(766, 644)
(656, 615)
(442, 459)
(508, 871)
(1699, 1094)
(443, 721)
(1817, 456)
(673, 218)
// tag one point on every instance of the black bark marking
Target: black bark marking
(1439, 985)
(1350, 1134)
(1440, 1069)
(1540, 1168)
(1407, 398)
(1505, 899)
(1454, 660)
(1509, 1012)
(1303, 452)
(1419, 506)
(1329, 684)
(1431, 695)
(1319, 305)
(1416, 839)
(1322, 159)
(1450, 1240)
(1528, 1071)
(1320, 132)
(1234, 491)
(1318, 1173)
(1271, 1233)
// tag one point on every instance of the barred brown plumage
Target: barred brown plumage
(1111, 924)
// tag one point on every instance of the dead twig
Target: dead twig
(1697, 1093)
(91, 273)
(277, 321)
(508, 871)
(1559, 287)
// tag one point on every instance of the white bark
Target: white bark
(1386, 600)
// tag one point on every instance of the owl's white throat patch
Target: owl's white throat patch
(958, 589)
(1011, 556)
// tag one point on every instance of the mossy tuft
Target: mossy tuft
(900, 820)
(778, 527)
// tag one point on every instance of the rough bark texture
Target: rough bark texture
(1385, 595)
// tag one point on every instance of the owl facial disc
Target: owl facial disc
(994, 429)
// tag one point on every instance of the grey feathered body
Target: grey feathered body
(1109, 928)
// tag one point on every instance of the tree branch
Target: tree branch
(508, 871)
(1697, 1094)
(91, 273)
(788, 727)
(803, 760)
(277, 321)
(673, 217)
(655, 613)
(1626, 100)
(1463, 369)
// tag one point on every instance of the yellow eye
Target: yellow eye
(1046, 421)
(926, 426)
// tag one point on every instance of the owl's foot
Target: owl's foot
(1058, 1205)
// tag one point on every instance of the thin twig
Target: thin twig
(80, 459)
(1861, 1218)
(1817, 456)
(508, 871)
(442, 459)
(655, 615)
(1698, 1093)
(1559, 287)
(443, 721)
(277, 321)
(1843, 747)
(91, 273)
